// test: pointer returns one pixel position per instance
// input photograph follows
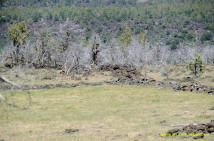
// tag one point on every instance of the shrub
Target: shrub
(3, 19)
(173, 43)
(190, 36)
(125, 37)
(18, 33)
(138, 31)
(206, 36)
(196, 66)
(56, 17)
(210, 27)
(99, 29)
(37, 16)
(87, 35)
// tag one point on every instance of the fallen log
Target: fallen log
(3, 79)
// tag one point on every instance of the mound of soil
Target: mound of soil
(195, 130)
(194, 87)
(124, 73)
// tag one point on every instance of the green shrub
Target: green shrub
(3, 19)
(18, 33)
(50, 16)
(196, 66)
(206, 36)
(138, 31)
(126, 37)
(190, 36)
(106, 38)
(37, 16)
(56, 17)
(210, 27)
(99, 29)
(173, 43)
(87, 35)
(167, 33)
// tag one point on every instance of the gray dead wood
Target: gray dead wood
(3, 79)
(2, 98)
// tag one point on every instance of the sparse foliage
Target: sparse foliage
(126, 37)
(196, 66)
(18, 33)
(142, 38)
(206, 36)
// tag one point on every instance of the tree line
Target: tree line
(47, 3)
(173, 24)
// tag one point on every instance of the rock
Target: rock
(210, 92)
(172, 131)
(198, 137)
(190, 128)
(210, 125)
(211, 130)
(163, 121)
(47, 78)
(70, 131)
(199, 129)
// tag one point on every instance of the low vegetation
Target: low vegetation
(106, 69)
(103, 113)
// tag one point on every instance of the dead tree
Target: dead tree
(3, 79)
(95, 51)
(15, 85)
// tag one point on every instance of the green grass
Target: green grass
(120, 113)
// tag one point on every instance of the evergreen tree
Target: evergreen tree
(196, 66)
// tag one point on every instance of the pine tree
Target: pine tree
(196, 66)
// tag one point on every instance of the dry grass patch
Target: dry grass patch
(120, 113)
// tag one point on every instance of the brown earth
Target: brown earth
(130, 75)
(197, 130)
(127, 75)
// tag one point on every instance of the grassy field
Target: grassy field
(102, 113)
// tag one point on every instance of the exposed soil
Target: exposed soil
(197, 130)
(124, 74)
(130, 75)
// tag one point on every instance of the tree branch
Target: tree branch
(3, 79)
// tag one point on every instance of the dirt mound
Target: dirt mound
(124, 73)
(195, 130)
(194, 87)
(188, 79)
